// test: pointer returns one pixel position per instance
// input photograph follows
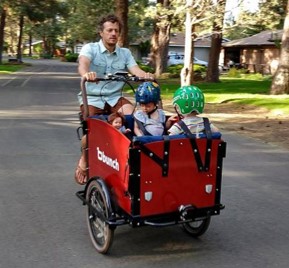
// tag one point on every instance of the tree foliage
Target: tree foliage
(198, 12)
(32, 15)
(141, 24)
(82, 24)
(269, 16)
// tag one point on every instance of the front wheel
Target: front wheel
(98, 212)
(197, 228)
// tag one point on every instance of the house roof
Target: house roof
(265, 38)
(178, 39)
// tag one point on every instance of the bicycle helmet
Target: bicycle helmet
(148, 92)
(188, 99)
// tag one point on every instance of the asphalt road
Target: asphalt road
(43, 224)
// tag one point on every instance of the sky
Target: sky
(232, 5)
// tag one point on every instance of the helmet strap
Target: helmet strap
(179, 115)
(152, 111)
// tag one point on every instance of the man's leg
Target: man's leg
(81, 169)
(123, 106)
(92, 110)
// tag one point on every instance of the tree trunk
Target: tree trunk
(187, 73)
(160, 39)
(216, 44)
(213, 67)
(19, 46)
(280, 82)
(2, 27)
(45, 47)
(30, 43)
(160, 48)
(121, 10)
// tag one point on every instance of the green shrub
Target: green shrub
(175, 70)
(145, 68)
(45, 56)
(200, 68)
(233, 72)
(71, 57)
(166, 76)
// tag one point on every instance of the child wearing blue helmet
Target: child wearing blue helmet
(149, 119)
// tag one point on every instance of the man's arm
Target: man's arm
(83, 68)
(137, 71)
(83, 65)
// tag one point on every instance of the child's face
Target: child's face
(117, 123)
(148, 107)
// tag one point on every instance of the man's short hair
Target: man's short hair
(111, 18)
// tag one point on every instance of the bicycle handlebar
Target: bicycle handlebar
(123, 77)
(117, 77)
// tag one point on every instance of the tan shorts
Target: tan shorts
(107, 108)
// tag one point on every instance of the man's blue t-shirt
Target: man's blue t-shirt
(103, 62)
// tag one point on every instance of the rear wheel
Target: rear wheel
(197, 228)
(98, 212)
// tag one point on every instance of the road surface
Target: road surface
(43, 223)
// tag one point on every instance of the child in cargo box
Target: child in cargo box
(189, 102)
(149, 119)
(117, 120)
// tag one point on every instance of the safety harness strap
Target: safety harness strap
(208, 133)
(162, 162)
(200, 165)
(142, 128)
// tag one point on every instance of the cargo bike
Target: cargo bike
(150, 180)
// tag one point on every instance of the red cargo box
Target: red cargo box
(156, 177)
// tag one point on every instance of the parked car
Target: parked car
(174, 59)
(200, 62)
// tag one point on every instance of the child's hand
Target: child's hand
(127, 131)
(171, 120)
(174, 118)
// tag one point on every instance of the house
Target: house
(37, 46)
(202, 46)
(257, 53)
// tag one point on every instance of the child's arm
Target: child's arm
(214, 128)
(171, 120)
(137, 130)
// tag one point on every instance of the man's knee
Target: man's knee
(126, 109)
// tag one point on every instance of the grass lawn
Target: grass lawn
(249, 89)
(9, 68)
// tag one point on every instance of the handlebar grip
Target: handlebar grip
(119, 79)
(143, 79)
(84, 79)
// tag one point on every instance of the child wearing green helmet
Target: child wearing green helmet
(189, 102)
(149, 119)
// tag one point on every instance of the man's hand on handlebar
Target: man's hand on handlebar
(117, 76)
(90, 76)
(149, 76)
